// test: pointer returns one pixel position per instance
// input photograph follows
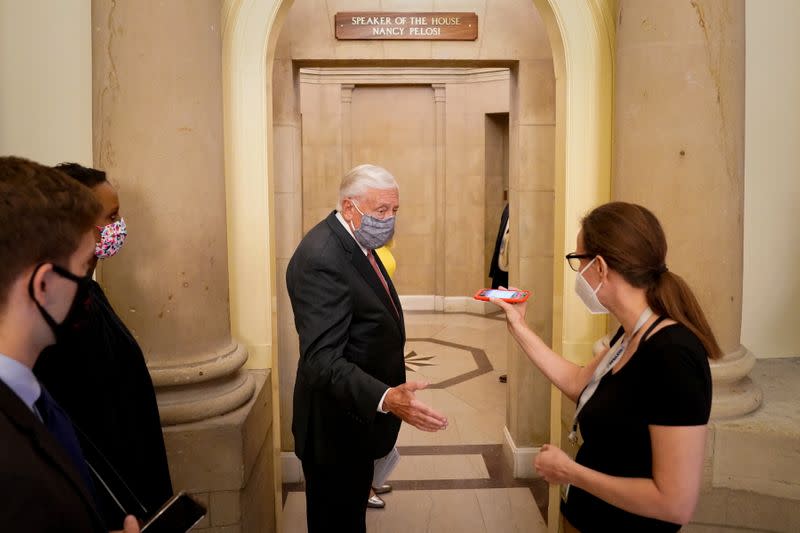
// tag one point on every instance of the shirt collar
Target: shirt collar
(350, 231)
(20, 379)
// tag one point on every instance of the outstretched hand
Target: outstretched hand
(514, 312)
(402, 402)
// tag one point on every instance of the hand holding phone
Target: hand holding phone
(178, 515)
(507, 295)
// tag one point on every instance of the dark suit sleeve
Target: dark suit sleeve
(322, 307)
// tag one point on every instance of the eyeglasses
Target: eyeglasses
(574, 260)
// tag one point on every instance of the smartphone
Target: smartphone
(506, 295)
(180, 514)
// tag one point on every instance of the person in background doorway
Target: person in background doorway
(498, 268)
(47, 242)
(97, 372)
(643, 404)
(351, 392)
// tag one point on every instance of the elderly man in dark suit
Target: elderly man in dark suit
(350, 395)
(47, 238)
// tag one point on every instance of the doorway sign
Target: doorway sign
(418, 26)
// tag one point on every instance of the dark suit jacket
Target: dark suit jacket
(40, 489)
(351, 348)
(97, 374)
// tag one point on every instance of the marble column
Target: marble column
(157, 114)
(679, 136)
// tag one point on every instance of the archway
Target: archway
(581, 37)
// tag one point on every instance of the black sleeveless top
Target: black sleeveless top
(667, 382)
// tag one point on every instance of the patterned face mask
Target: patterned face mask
(111, 239)
(373, 232)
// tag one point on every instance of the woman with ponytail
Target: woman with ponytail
(643, 403)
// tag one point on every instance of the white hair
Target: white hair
(363, 177)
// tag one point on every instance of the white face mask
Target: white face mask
(587, 293)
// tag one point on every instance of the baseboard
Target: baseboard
(520, 458)
(420, 302)
(446, 304)
(291, 468)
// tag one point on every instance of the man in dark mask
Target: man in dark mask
(47, 241)
(351, 392)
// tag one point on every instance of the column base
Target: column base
(226, 462)
(734, 393)
(739, 511)
(212, 386)
(751, 477)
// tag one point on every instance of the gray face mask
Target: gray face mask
(373, 233)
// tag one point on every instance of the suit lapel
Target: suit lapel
(41, 439)
(361, 264)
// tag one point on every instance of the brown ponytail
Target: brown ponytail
(631, 241)
(672, 297)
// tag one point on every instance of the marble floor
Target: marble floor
(454, 480)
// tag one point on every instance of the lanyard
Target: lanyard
(608, 362)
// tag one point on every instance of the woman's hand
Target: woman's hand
(554, 465)
(514, 312)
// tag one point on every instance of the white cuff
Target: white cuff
(380, 404)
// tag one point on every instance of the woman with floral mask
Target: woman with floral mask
(97, 373)
(643, 403)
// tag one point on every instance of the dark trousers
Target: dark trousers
(336, 496)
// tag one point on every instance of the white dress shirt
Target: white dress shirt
(21, 380)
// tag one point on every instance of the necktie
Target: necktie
(377, 270)
(60, 426)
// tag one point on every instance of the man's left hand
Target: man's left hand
(402, 402)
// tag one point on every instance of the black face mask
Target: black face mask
(60, 330)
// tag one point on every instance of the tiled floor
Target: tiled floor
(454, 480)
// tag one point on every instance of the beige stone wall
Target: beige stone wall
(770, 306)
(395, 126)
(287, 161)
(466, 196)
(531, 210)
(401, 137)
(507, 30)
(46, 80)
(320, 108)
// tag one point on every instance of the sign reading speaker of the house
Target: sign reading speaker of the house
(451, 26)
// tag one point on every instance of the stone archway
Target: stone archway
(581, 36)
